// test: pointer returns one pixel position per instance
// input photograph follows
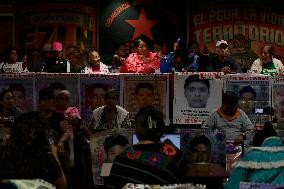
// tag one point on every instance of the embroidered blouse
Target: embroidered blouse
(135, 64)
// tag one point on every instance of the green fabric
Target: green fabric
(272, 175)
(268, 69)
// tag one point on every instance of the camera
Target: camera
(264, 110)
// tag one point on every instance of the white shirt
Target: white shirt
(103, 69)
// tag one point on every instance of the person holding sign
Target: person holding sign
(267, 64)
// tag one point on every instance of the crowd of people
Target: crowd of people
(45, 144)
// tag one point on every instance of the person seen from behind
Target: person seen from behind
(150, 160)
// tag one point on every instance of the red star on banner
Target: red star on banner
(142, 26)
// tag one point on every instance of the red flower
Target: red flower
(155, 159)
(169, 150)
(133, 155)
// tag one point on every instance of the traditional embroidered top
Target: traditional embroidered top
(157, 163)
(135, 64)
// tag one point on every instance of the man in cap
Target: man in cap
(54, 63)
(224, 62)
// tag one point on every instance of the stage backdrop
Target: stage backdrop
(73, 24)
(193, 103)
(158, 22)
(246, 25)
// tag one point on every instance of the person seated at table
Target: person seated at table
(95, 64)
(119, 57)
(11, 64)
(55, 63)
(267, 64)
(177, 60)
(223, 62)
(142, 61)
(263, 164)
(230, 118)
(150, 160)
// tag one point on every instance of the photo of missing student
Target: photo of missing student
(21, 88)
(195, 97)
(205, 152)
(145, 90)
(93, 89)
(254, 93)
(59, 82)
(278, 97)
(98, 146)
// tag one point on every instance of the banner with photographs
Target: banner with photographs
(98, 154)
(92, 91)
(196, 95)
(58, 82)
(21, 86)
(254, 92)
(204, 151)
(145, 90)
(278, 97)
